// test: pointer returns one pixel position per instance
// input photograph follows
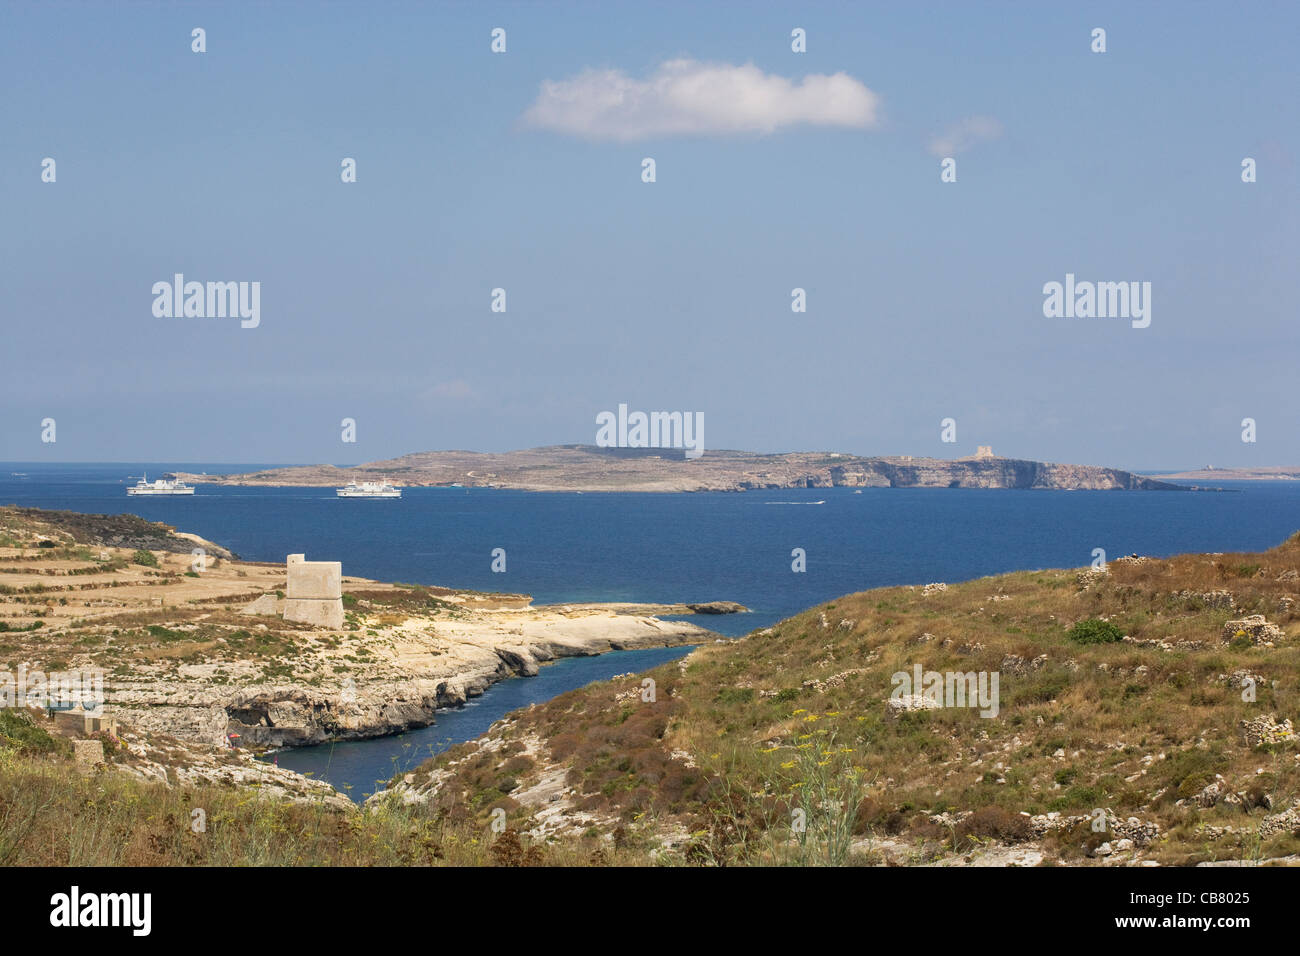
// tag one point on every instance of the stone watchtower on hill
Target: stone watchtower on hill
(984, 451)
(315, 591)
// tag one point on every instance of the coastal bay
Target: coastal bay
(197, 649)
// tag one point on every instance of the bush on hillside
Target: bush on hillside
(20, 732)
(1095, 631)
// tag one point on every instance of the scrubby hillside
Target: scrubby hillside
(70, 529)
(1142, 715)
(160, 802)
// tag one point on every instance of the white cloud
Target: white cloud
(686, 97)
(965, 134)
(458, 389)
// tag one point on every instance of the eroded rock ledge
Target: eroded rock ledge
(201, 654)
(423, 672)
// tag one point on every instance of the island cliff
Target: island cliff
(589, 468)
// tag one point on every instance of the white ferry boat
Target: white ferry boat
(168, 484)
(369, 489)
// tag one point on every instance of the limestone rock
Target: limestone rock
(266, 605)
(1266, 729)
(899, 705)
(88, 754)
(1087, 577)
(717, 607)
(1288, 821)
(1218, 599)
(1241, 678)
(1260, 631)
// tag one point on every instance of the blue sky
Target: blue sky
(924, 298)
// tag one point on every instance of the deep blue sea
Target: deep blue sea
(662, 548)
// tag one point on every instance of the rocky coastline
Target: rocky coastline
(200, 655)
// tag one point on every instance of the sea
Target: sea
(662, 548)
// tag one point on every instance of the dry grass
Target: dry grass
(1136, 729)
(52, 815)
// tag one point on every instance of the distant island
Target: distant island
(591, 468)
(1210, 473)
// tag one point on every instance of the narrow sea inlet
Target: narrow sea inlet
(359, 768)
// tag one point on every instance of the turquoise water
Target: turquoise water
(665, 548)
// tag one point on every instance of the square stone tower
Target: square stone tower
(315, 592)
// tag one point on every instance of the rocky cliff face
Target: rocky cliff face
(989, 473)
(966, 473)
(400, 691)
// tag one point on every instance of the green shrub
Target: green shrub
(1095, 631)
(735, 695)
(1189, 771)
(146, 558)
(17, 730)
